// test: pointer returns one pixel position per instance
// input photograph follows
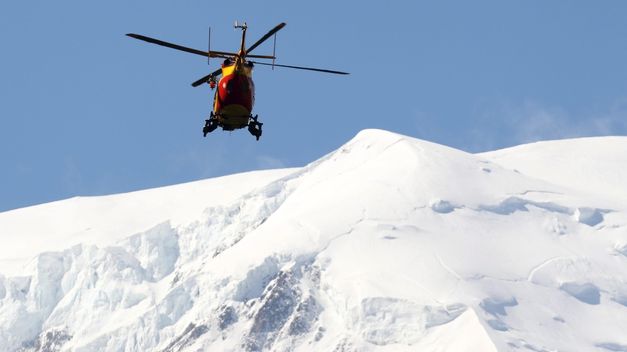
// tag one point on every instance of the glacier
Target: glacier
(389, 243)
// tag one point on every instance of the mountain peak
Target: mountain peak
(389, 242)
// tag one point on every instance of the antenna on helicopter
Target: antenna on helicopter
(274, 52)
(209, 46)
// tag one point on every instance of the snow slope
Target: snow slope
(104, 220)
(388, 244)
(591, 165)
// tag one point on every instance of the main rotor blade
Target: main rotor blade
(207, 77)
(265, 37)
(301, 68)
(222, 54)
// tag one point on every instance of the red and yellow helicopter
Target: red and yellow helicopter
(234, 99)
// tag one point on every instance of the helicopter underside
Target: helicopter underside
(232, 117)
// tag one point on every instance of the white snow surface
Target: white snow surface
(389, 243)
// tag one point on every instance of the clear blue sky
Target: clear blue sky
(88, 111)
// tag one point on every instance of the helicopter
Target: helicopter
(235, 94)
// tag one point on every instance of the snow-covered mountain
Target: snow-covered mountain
(388, 244)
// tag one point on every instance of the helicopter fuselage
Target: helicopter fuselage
(235, 96)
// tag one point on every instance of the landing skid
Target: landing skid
(254, 126)
(210, 125)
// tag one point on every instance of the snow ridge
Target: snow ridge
(388, 243)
